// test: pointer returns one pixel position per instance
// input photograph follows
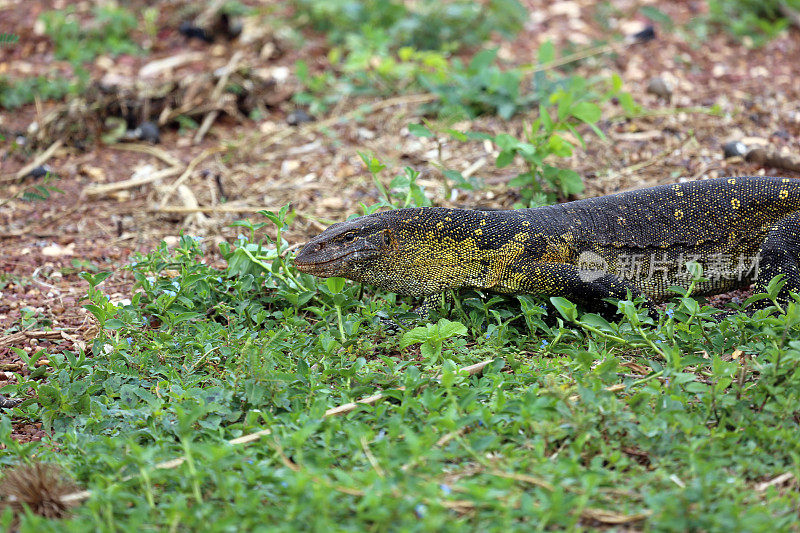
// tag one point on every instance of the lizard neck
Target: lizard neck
(439, 248)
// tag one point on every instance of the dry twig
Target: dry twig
(209, 119)
(99, 190)
(182, 209)
(37, 161)
(155, 151)
(21, 336)
(779, 480)
(188, 172)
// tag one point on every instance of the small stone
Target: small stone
(40, 171)
(288, 166)
(751, 141)
(104, 62)
(95, 173)
(734, 149)
(333, 202)
(647, 34)
(660, 87)
(298, 117)
(719, 70)
(268, 126)
(148, 132)
(191, 31)
(280, 73)
(570, 9)
(267, 51)
(56, 250)
(39, 27)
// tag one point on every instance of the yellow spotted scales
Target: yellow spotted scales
(740, 229)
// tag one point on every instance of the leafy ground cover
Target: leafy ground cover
(575, 421)
(203, 383)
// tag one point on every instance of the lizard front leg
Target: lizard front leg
(590, 288)
(433, 302)
(780, 254)
(430, 303)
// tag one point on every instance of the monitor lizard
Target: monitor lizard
(742, 230)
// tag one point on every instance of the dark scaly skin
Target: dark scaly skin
(586, 250)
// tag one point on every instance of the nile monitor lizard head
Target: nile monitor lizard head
(394, 250)
(348, 249)
(418, 251)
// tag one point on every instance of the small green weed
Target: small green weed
(403, 190)
(479, 88)
(35, 192)
(564, 105)
(570, 104)
(431, 337)
(107, 33)
(384, 47)
(425, 25)
(368, 69)
(8, 39)
(755, 22)
(186, 124)
(17, 93)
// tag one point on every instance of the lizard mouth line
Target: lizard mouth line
(320, 265)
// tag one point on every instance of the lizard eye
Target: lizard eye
(349, 237)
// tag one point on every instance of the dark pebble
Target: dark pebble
(148, 132)
(40, 171)
(734, 149)
(190, 31)
(298, 117)
(782, 135)
(647, 34)
(228, 27)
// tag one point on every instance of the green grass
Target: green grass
(753, 22)
(384, 47)
(576, 419)
(425, 25)
(106, 31)
(16, 93)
